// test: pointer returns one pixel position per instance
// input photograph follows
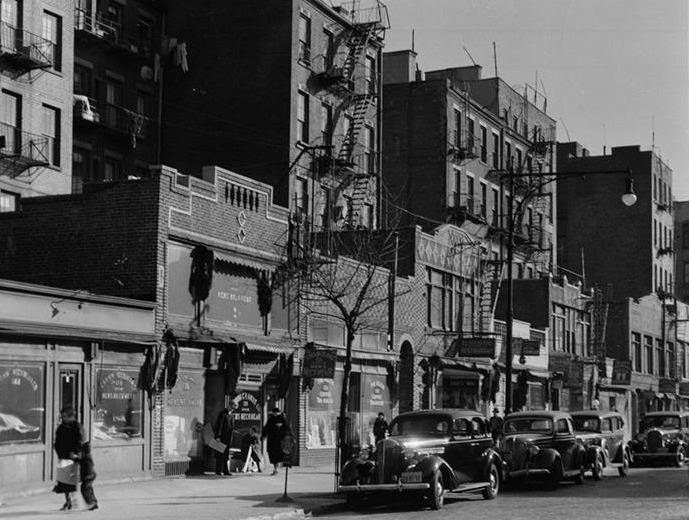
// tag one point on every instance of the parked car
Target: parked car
(662, 437)
(603, 436)
(541, 445)
(428, 453)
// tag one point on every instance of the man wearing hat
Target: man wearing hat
(496, 425)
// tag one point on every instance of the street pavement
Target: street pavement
(241, 496)
(647, 493)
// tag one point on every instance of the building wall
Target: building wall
(616, 242)
(45, 87)
(681, 249)
(118, 134)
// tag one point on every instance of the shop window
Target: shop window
(8, 201)
(118, 407)
(22, 403)
(184, 416)
(321, 419)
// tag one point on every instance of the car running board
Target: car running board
(571, 474)
(471, 487)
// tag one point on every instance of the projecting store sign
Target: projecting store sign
(476, 347)
(526, 347)
(318, 363)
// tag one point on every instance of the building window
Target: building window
(495, 213)
(496, 151)
(145, 29)
(370, 154)
(328, 49)
(113, 104)
(367, 216)
(558, 328)
(304, 38)
(519, 159)
(8, 201)
(327, 125)
(660, 357)
(11, 121)
(508, 155)
(458, 132)
(82, 80)
(515, 123)
(484, 200)
(671, 362)
(470, 195)
(51, 131)
(439, 292)
(682, 353)
(80, 169)
(636, 349)
(303, 117)
(52, 32)
(648, 347)
(325, 208)
(655, 188)
(116, 19)
(112, 169)
(470, 136)
(370, 73)
(302, 196)
(484, 144)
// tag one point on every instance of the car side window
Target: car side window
(685, 422)
(561, 426)
(462, 428)
(606, 426)
(478, 427)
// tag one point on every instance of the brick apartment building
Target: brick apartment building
(447, 135)
(681, 249)
(35, 99)
(268, 80)
(118, 72)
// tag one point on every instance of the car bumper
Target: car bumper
(401, 486)
(529, 473)
(658, 455)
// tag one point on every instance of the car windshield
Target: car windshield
(421, 425)
(660, 421)
(586, 424)
(528, 425)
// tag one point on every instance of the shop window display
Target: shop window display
(118, 405)
(22, 403)
(321, 423)
(184, 417)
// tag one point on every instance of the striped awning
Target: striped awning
(75, 333)
(272, 349)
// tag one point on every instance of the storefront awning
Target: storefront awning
(271, 349)
(613, 388)
(243, 261)
(663, 395)
(77, 333)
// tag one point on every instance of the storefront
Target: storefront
(60, 348)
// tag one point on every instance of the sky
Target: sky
(613, 70)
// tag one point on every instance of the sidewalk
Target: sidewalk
(241, 496)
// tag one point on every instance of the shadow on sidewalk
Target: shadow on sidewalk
(302, 500)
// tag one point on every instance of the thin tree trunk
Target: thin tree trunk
(344, 396)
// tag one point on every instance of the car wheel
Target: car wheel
(493, 489)
(680, 456)
(597, 469)
(579, 479)
(437, 496)
(555, 475)
(624, 468)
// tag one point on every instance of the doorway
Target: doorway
(69, 388)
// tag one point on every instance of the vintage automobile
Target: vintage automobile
(541, 445)
(429, 453)
(663, 437)
(603, 435)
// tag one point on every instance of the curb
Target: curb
(328, 509)
(295, 514)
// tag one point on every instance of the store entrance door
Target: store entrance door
(69, 389)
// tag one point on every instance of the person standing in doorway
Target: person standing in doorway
(224, 426)
(70, 445)
(380, 428)
(496, 424)
(275, 429)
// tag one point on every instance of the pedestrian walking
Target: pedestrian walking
(380, 428)
(275, 429)
(74, 452)
(250, 443)
(496, 424)
(224, 427)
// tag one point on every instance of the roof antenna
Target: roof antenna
(468, 54)
(653, 133)
(569, 139)
(413, 43)
(605, 139)
(495, 59)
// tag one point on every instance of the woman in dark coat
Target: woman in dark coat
(275, 430)
(224, 427)
(70, 445)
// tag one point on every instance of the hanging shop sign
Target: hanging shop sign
(319, 363)
(476, 347)
(528, 347)
(621, 372)
(667, 386)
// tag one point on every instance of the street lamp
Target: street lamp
(629, 198)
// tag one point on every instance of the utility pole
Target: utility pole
(509, 315)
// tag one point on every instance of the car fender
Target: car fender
(580, 458)
(545, 458)
(429, 465)
(490, 457)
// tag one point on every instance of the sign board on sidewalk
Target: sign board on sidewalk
(621, 372)
(476, 347)
(319, 363)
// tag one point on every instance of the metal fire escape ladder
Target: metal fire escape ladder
(600, 324)
(490, 290)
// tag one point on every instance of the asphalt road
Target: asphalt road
(646, 493)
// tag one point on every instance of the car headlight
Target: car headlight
(411, 456)
(532, 451)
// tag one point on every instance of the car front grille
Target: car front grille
(389, 461)
(654, 440)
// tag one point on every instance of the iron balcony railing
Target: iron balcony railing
(112, 116)
(20, 150)
(111, 32)
(372, 12)
(23, 50)
(470, 205)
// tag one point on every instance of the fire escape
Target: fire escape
(20, 150)
(492, 275)
(340, 76)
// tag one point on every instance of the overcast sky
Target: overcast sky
(612, 69)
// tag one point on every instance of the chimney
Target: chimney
(400, 67)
